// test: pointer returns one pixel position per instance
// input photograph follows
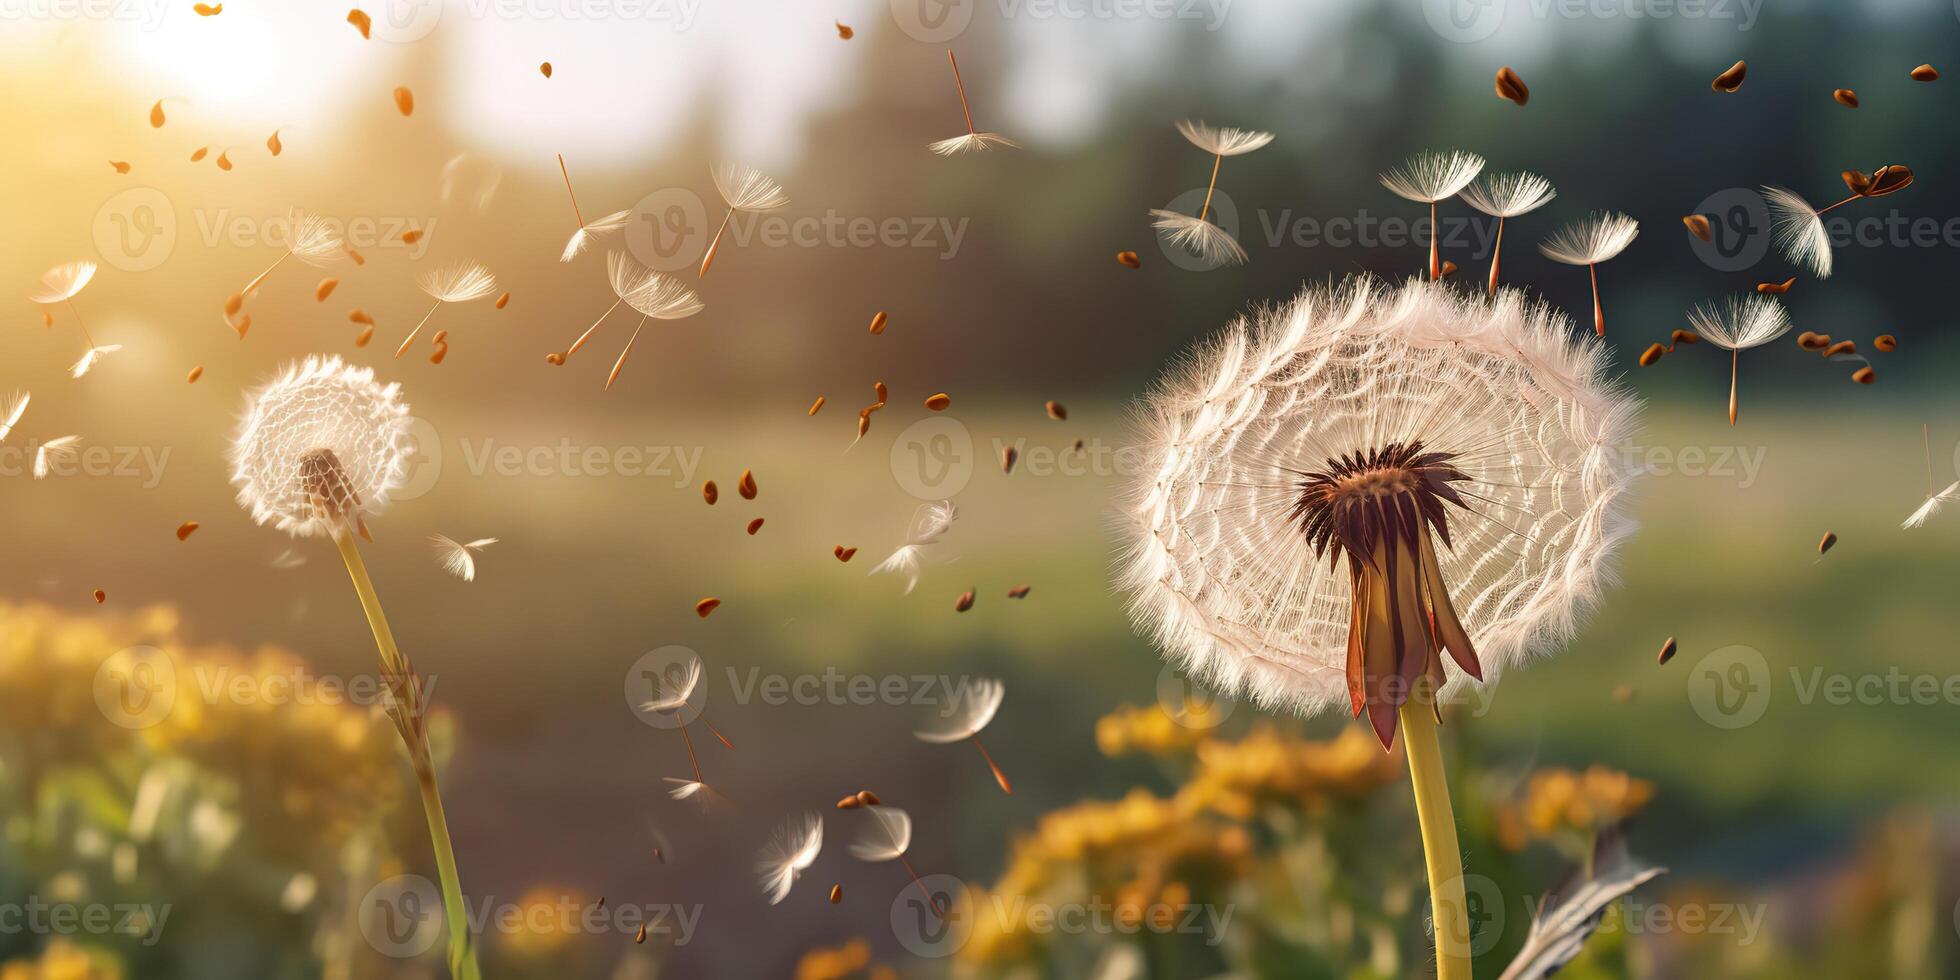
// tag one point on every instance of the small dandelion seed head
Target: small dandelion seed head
(1741, 322)
(1590, 240)
(1508, 195)
(1222, 141)
(320, 446)
(1429, 177)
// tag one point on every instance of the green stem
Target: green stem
(1448, 908)
(462, 952)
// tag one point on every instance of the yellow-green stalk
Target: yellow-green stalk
(1448, 909)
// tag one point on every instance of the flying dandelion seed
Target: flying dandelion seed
(466, 177)
(1369, 423)
(314, 242)
(982, 701)
(1505, 196)
(319, 449)
(1588, 242)
(974, 141)
(887, 838)
(656, 297)
(1429, 177)
(1798, 229)
(746, 190)
(60, 285)
(789, 854)
(1741, 323)
(57, 450)
(586, 233)
(671, 697)
(11, 409)
(929, 524)
(1918, 518)
(458, 558)
(1198, 234)
(458, 283)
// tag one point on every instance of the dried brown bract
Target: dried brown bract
(1730, 80)
(1510, 87)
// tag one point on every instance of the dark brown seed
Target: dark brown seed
(1511, 87)
(1857, 181)
(1864, 375)
(939, 402)
(849, 803)
(1845, 97)
(878, 323)
(1890, 180)
(545, 68)
(1128, 259)
(1813, 341)
(1651, 354)
(1668, 649)
(1776, 288)
(1685, 337)
(836, 894)
(1697, 225)
(101, 597)
(706, 606)
(1078, 445)
(746, 485)
(965, 603)
(815, 405)
(1884, 342)
(1824, 545)
(641, 936)
(755, 525)
(1925, 73)
(186, 529)
(868, 798)
(847, 554)
(1730, 80)
(710, 492)
(1007, 457)
(1018, 592)
(1056, 410)
(1841, 347)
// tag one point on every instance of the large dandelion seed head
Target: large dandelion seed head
(319, 447)
(1506, 425)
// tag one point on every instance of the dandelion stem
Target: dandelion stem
(568, 190)
(587, 335)
(614, 376)
(999, 777)
(1847, 200)
(931, 899)
(1435, 266)
(1926, 436)
(724, 739)
(689, 739)
(1735, 358)
(1495, 252)
(70, 303)
(1448, 910)
(1216, 159)
(708, 257)
(1599, 315)
(962, 87)
(403, 349)
(462, 952)
(253, 286)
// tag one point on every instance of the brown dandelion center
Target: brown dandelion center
(327, 487)
(1378, 508)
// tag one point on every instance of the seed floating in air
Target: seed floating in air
(1776, 288)
(843, 553)
(546, 69)
(1829, 539)
(1129, 259)
(324, 289)
(640, 937)
(1730, 80)
(356, 256)
(754, 526)
(1886, 342)
(272, 143)
(1685, 337)
(358, 315)
(1697, 225)
(1813, 341)
(224, 159)
(411, 236)
(815, 405)
(101, 597)
(207, 10)
(1008, 455)
(366, 334)
(1448, 270)
(844, 32)
(1864, 375)
(361, 22)
(555, 358)
(1651, 354)
(404, 100)
(186, 529)
(965, 602)
(1845, 97)
(706, 606)
(939, 402)
(836, 894)
(1668, 649)
(1511, 87)
(198, 154)
(746, 485)
(1841, 347)
(1056, 410)
(502, 301)
(849, 802)
(878, 323)
(1925, 73)
(1019, 592)
(866, 797)
(196, 373)
(122, 167)
(156, 116)
(710, 492)
(441, 351)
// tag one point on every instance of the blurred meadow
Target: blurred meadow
(1790, 767)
